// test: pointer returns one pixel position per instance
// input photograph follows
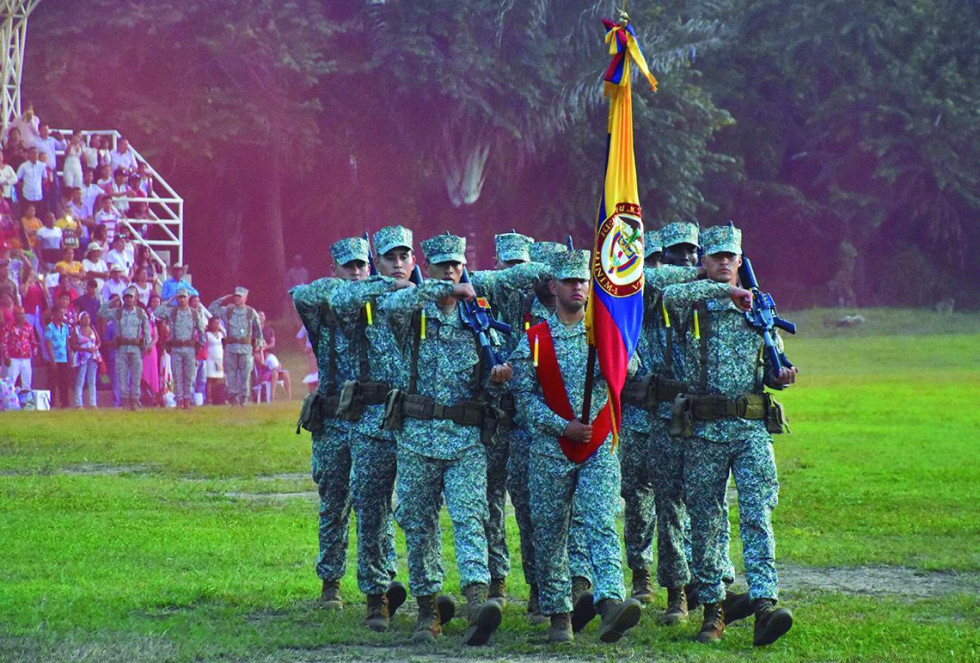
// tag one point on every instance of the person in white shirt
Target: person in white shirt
(121, 254)
(105, 178)
(49, 144)
(71, 172)
(31, 176)
(95, 266)
(49, 240)
(123, 157)
(8, 180)
(90, 152)
(120, 191)
(115, 285)
(27, 125)
(108, 217)
(90, 194)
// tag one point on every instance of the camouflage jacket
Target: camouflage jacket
(734, 353)
(131, 324)
(185, 324)
(241, 322)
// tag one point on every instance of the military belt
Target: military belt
(242, 341)
(746, 406)
(183, 344)
(464, 413)
(126, 341)
(648, 392)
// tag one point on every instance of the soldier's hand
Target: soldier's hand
(464, 291)
(400, 284)
(501, 373)
(742, 298)
(576, 431)
(786, 376)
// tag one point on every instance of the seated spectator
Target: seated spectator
(95, 266)
(215, 362)
(78, 210)
(56, 335)
(123, 157)
(90, 195)
(116, 284)
(49, 242)
(19, 350)
(120, 192)
(121, 253)
(104, 180)
(71, 231)
(71, 268)
(8, 180)
(29, 225)
(108, 217)
(85, 344)
(99, 234)
(89, 302)
(169, 288)
(145, 184)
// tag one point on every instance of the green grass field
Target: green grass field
(190, 536)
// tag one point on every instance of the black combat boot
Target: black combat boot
(330, 595)
(534, 616)
(427, 626)
(617, 618)
(737, 606)
(483, 616)
(691, 592)
(676, 611)
(396, 595)
(642, 585)
(561, 629)
(771, 623)
(714, 623)
(583, 609)
(447, 608)
(377, 612)
(498, 591)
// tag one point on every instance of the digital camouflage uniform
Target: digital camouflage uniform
(555, 481)
(133, 334)
(186, 328)
(644, 467)
(506, 290)
(733, 445)
(244, 336)
(438, 458)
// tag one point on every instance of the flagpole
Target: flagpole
(589, 379)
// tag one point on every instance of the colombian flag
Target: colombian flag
(615, 312)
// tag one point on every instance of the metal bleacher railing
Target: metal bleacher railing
(162, 233)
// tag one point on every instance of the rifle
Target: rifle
(764, 318)
(372, 270)
(569, 243)
(477, 317)
(416, 276)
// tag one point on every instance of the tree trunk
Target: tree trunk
(274, 254)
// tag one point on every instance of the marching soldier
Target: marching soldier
(187, 326)
(132, 336)
(569, 457)
(444, 422)
(244, 337)
(728, 419)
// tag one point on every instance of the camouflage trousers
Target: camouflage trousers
(422, 483)
(498, 554)
(183, 361)
(706, 469)
(238, 376)
(558, 487)
(518, 486)
(638, 493)
(129, 371)
(356, 471)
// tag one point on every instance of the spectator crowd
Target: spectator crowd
(68, 259)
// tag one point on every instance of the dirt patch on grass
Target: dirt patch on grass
(309, 495)
(85, 469)
(877, 580)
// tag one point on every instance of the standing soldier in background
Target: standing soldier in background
(132, 338)
(244, 338)
(187, 327)
(728, 419)
(549, 365)
(443, 417)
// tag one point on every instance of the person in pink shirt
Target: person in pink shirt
(18, 348)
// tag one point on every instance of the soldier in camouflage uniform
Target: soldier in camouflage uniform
(132, 338)
(728, 417)
(440, 452)
(244, 337)
(186, 327)
(353, 462)
(554, 478)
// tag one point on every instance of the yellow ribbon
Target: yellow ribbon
(422, 327)
(370, 318)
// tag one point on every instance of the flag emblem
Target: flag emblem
(619, 269)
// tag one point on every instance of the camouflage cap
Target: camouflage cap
(392, 237)
(513, 246)
(349, 249)
(242, 291)
(573, 265)
(722, 239)
(131, 291)
(445, 248)
(651, 243)
(183, 291)
(679, 232)
(545, 252)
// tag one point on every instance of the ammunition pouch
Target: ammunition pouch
(355, 395)
(651, 390)
(230, 340)
(636, 392)
(316, 407)
(393, 418)
(687, 409)
(507, 407)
